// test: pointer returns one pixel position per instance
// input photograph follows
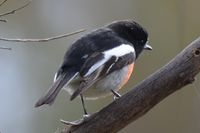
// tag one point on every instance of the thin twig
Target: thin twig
(42, 40)
(3, 2)
(4, 48)
(15, 10)
(3, 20)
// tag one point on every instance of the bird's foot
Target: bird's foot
(115, 98)
(72, 123)
(116, 94)
(76, 122)
(85, 116)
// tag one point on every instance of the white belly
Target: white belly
(102, 87)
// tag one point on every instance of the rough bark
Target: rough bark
(176, 74)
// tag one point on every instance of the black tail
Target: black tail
(51, 94)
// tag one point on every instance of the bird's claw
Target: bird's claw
(72, 123)
(85, 116)
(76, 122)
(116, 97)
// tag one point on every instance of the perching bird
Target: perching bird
(99, 63)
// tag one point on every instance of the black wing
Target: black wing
(112, 64)
(95, 68)
(97, 41)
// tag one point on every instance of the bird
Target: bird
(100, 63)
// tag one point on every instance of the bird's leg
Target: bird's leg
(116, 94)
(78, 122)
(84, 109)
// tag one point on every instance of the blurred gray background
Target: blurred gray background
(27, 70)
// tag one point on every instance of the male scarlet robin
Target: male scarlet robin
(99, 63)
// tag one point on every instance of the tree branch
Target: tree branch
(43, 39)
(5, 48)
(3, 2)
(15, 10)
(176, 74)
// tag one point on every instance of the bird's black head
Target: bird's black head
(133, 33)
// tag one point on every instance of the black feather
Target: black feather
(53, 91)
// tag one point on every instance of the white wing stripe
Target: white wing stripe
(118, 51)
(111, 66)
(95, 66)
